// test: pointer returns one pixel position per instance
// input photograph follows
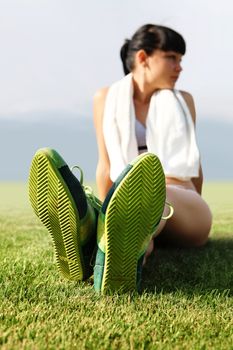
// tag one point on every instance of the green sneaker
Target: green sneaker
(128, 218)
(69, 214)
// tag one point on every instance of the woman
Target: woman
(144, 129)
(153, 57)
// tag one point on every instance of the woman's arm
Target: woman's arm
(197, 181)
(103, 167)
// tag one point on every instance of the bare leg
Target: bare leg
(191, 222)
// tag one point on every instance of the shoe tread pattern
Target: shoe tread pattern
(50, 200)
(133, 210)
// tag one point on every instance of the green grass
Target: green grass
(186, 303)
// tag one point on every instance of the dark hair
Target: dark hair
(149, 38)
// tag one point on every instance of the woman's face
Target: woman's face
(163, 69)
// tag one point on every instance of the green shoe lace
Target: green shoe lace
(170, 213)
(95, 202)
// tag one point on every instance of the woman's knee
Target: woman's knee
(200, 230)
(192, 220)
(201, 239)
(205, 228)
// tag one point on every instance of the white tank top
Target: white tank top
(140, 131)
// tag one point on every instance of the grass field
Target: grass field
(187, 302)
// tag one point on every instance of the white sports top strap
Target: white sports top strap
(140, 131)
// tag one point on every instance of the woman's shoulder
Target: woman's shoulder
(99, 103)
(190, 103)
(187, 96)
(101, 94)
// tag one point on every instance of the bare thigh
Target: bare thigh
(191, 222)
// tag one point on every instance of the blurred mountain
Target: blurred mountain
(74, 138)
(215, 140)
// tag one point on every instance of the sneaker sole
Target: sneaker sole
(130, 219)
(55, 207)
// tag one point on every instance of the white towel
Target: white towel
(170, 131)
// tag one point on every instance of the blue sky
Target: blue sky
(56, 53)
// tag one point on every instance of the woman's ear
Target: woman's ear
(141, 57)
